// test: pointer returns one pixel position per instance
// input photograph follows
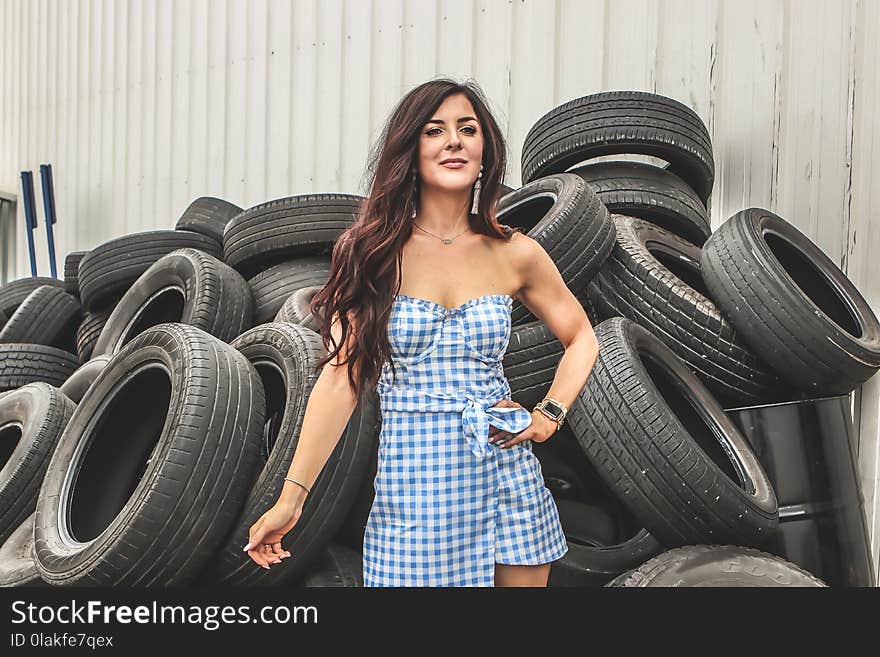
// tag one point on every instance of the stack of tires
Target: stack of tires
(688, 322)
(150, 404)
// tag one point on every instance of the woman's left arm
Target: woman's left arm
(545, 294)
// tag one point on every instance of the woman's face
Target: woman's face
(452, 133)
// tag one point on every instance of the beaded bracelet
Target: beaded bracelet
(297, 483)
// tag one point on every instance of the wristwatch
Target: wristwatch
(552, 409)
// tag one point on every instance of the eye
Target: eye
(467, 127)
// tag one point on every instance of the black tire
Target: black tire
(792, 303)
(208, 215)
(21, 364)
(564, 215)
(297, 309)
(273, 286)
(586, 565)
(71, 272)
(188, 287)
(48, 316)
(666, 448)
(285, 355)
(586, 524)
(151, 515)
(351, 533)
(561, 479)
(717, 566)
(653, 278)
(32, 419)
(286, 229)
(110, 269)
(17, 567)
(650, 193)
(89, 331)
(3, 319)
(14, 292)
(80, 381)
(614, 122)
(338, 566)
(530, 362)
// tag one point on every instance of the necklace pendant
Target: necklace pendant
(447, 241)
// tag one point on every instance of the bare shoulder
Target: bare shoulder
(520, 254)
(521, 250)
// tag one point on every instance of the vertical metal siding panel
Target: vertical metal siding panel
(121, 91)
(29, 151)
(7, 161)
(135, 117)
(106, 118)
(454, 37)
(302, 147)
(160, 189)
(65, 187)
(686, 36)
(18, 122)
(632, 44)
(146, 217)
(580, 38)
(328, 96)
(386, 54)
(532, 60)
(182, 118)
(812, 167)
(356, 128)
(864, 240)
(42, 72)
(749, 58)
(492, 59)
(216, 119)
(258, 96)
(200, 110)
(236, 96)
(278, 107)
(80, 128)
(96, 212)
(420, 43)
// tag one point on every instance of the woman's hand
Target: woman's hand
(541, 428)
(265, 535)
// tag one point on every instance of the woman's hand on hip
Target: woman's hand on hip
(541, 428)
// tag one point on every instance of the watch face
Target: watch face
(553, 408)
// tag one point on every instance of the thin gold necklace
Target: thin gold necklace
(445, 240)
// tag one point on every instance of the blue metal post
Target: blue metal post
(49, 213)
(30, 215)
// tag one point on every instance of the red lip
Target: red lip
(454, 159)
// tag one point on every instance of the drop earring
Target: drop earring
(414, 195)
(477, 185)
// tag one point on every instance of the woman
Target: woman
(424, 282)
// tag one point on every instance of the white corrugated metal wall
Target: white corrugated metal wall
(143, 105)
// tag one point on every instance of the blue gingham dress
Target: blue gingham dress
(448, 504)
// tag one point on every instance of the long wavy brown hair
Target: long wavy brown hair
(366, 258)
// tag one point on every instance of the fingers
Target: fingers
(264, 553)
(516, 439)
(255, 548)
(279, 552)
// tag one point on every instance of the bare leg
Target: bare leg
(509, 575)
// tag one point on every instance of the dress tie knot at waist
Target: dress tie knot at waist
(477, 412)
(476, 420)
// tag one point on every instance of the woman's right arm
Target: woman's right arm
(329, 408)
(328, 411)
